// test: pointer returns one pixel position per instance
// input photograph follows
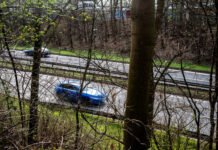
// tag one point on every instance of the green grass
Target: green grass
(98, 54)
(186, 65)
(57, 121)
(21, 47)
(114, 128)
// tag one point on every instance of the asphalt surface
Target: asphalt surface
(182, 115)
(193, 78)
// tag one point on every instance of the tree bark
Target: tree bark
(33, 108)
(137, 129)
(216, 83)
(104, 22)
(6, 45)
(159, 16)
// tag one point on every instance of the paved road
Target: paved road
(179, 107)
(193, 78)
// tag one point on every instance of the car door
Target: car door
(70, 92)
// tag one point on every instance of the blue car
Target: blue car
(44, 51)
(69, 90)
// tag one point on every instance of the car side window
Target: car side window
(70, 87)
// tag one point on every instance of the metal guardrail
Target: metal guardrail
(188, 133)
(74, 66)
(114, 74)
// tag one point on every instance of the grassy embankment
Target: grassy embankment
(115, 57)
(57, 126)
(58, 122)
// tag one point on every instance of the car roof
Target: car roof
(87, 90)
(74, 82)
(43, 48)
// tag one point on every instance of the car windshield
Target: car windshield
(70, 87)
(92, 91)
(43, 49)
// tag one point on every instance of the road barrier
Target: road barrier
(111, 74)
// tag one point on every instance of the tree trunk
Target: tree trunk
(137, 129)
(113, 5)
(6, 45)
(70, 33)
(216, 84)
(104, 22)
(159, 16)
(33, 110)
